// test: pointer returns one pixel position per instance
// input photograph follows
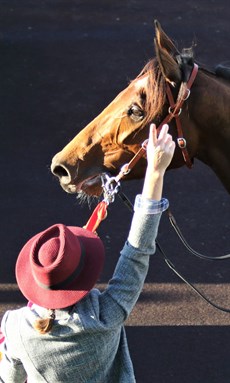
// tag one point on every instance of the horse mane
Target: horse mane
(154, 95)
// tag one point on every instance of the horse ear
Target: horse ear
(164, 41)
(166, 53)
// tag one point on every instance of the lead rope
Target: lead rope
(98, 215)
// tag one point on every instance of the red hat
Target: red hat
(59, 266)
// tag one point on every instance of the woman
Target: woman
(72, 332)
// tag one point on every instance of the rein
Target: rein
(188, 247)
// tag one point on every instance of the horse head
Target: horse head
(115, 135)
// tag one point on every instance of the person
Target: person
(72, 332)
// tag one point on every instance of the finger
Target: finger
(168, 139)
(163, 132)
(171, 147)
(153, 134)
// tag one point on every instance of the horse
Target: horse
(198, 116)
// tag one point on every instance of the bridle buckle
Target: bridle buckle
(181, 142)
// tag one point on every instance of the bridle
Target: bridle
(174, 111)
(111, 185)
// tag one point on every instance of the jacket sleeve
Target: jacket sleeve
(11, 368)
(123, 290)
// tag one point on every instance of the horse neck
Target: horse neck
(211, 114)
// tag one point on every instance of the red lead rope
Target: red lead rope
(99, 213)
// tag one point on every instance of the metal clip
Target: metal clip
(110, 187)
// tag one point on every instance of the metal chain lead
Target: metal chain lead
(110, 187)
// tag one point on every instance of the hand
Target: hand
(160, 149)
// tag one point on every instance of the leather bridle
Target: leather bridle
(174, 111)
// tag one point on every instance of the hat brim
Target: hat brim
(77, 289)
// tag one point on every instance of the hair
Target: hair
(155, 94)
(45, 325)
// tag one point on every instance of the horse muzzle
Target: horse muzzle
(70, 180)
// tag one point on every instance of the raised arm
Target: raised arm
(126, 284)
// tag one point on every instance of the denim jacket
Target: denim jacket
(87, 343)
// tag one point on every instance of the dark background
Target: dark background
(61, 63)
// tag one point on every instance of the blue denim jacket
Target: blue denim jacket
(88, 342)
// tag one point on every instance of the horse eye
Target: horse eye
(135, 113)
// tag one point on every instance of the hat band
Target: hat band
(61, 285)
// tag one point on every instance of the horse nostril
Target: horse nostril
(60, 171)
